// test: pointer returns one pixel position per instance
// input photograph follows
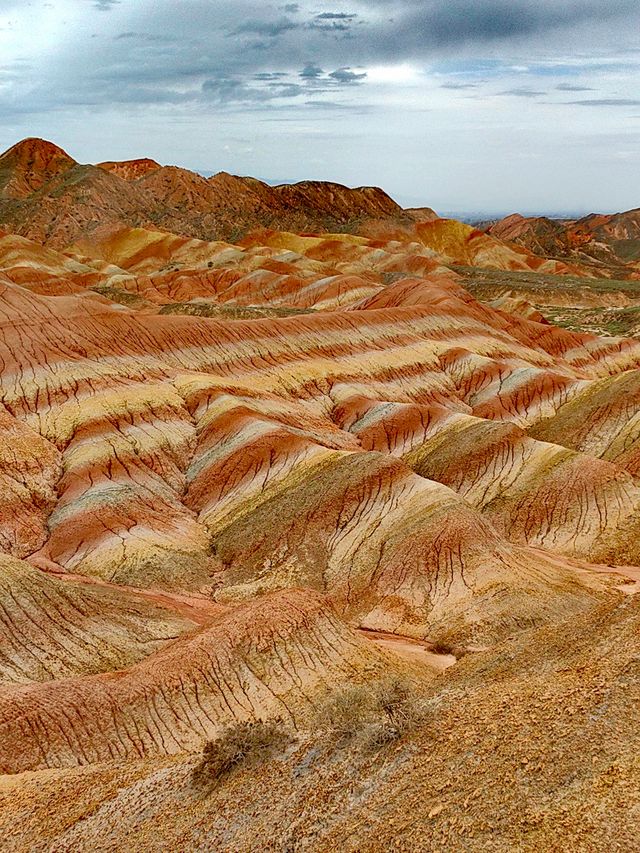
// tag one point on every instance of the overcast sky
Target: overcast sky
(464, 105)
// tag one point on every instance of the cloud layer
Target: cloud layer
(409, 73)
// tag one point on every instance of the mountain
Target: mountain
(309, 539)
(46, 196)
(50, 198)
(27, 166)
(130, 170)
(608, 241)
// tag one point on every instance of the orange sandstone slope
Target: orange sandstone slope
(283, 269)
(610, 242)
(171, 430)
(462, 244)
(186, 460)
(271, 657)
(47, 196)
(529, 747)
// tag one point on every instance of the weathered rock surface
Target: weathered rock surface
(610, 242)
(271, 657)
(52, 628)
(229, 467)
(47, 196)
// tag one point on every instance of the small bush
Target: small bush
(398, 700)
(376, 736)
(248, 743)
(371, 715)
(346, 711)
(442, 647)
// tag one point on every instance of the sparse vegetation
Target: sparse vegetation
(230, 311)
(248, 743)
(442, 647)
(367, 717)
(116, 294)
(372, 715)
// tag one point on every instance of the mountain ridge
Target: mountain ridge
(48, 196)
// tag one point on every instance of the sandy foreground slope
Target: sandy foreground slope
(532, 746)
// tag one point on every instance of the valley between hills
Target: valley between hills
(265, 449)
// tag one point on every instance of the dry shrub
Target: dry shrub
(248, 743)
(442, 647)
(346, 711)
(368, 717)
(372, 715)
(445, 647)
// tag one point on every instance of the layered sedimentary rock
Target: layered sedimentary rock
(463, 244)
(186, 438)
(268, 658)
(47, 196)
(610, 242)
(30, 467)
(227, 463)
(531, 744)
(52, 628)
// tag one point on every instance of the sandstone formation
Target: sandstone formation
(246, 459)
(53, 628)
(533, 747)
(172, 700)
(610, 242)
(48, 196)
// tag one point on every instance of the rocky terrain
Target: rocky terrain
(609, 242)
(261, 445)
(49, 197)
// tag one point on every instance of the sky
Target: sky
(477, 106)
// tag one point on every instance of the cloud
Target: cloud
(346, 75)
(335, 16)
(459, 86)
(270, 75)
(420, 25)
(311, 72)
(266, 28)
(142, 37)
(331, 22)
(226, 90)
(195, 51)
(522, 93)
(607, 102)
(572, 87)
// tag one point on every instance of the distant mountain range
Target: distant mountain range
(608, 241)
(49, 197)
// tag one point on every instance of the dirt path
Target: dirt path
(629, 576)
